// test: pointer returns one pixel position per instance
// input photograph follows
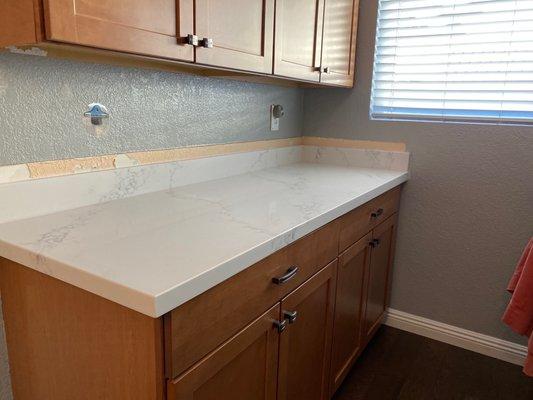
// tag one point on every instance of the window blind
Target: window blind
(454, 60)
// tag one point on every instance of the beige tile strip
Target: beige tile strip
(355, 144)
(190, 153)
(87, 164)
(45, 169)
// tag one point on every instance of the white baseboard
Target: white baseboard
(477, 342)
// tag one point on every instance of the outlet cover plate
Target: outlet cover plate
(274, 122)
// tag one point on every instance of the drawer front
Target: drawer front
(357, 223)
(223, 310)
(244, 367)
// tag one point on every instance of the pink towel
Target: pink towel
(519, 313)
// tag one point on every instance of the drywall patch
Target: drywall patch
(72, 166)
(124, 161)
(30, 51)
(14, 173)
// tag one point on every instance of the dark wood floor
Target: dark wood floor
(401, 365)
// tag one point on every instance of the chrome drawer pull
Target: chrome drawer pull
(377, 213)
(290, 316)
(291, 272)
(280, 325)
(374, 243)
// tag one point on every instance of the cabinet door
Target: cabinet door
(242, 33)
(339, 42)
(349, 309)
(243, 368)
(305, 346)
(298, 38)
(379, 272)
(147, 27)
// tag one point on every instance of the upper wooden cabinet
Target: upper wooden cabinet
(155, 28)
(298, 38)
(339, 42)
(304, 40)
(242, 32)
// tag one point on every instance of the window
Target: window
(454, 60)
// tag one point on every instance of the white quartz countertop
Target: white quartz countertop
(153, 252)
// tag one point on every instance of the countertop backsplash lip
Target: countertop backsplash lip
(55, 194)
(33, 197)
(82, 228)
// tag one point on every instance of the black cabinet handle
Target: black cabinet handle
(377, 213)
(290, 316)
(280, 280)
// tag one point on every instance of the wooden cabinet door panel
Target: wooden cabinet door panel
(242, 33)
(234, 303)
(339, 42)
(305, 345)
(243, 368)
(146, 27)
(298, 38)
(349, 306)
(379, 272)
(360, 221)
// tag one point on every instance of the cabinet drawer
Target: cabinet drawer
(244, 367)
(360, 221)
(203, 323)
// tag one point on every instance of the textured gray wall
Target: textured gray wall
(42, 101)
(467, 211)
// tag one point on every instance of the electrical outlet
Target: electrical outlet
(276, 112)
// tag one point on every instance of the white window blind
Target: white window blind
(454, 60)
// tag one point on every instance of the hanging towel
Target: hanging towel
(519, 313)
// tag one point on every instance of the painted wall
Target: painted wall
(42, 101)
(467, 211)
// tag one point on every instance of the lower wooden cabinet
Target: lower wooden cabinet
(349, 308)
(325, 324)
(243, 368)
(378, 279)
(305, 347)
(284, 354)
(287, 328)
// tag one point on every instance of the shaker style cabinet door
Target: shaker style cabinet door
(298, 39)
(243, 368)
(305, 344)
(242, 34)
(147, 27)
(379, 275)
(349, 306)
(338, 43)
